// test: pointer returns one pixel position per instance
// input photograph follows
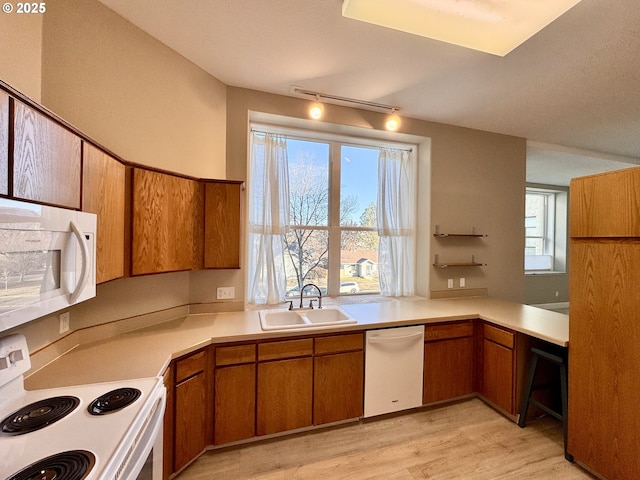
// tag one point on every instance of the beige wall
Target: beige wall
(131, 93)
(21, 52)
(474, 178)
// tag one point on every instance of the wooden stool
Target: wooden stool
(561, 362)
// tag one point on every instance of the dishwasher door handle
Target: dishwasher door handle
(386, 339)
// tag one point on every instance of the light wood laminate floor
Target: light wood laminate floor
(466, 440)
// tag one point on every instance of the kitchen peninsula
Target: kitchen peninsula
(198, 353)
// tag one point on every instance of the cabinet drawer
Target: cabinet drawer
(285, 349)
(499, 336)
(235, 355)
(339, 343)
(189, 366)
(447, 331)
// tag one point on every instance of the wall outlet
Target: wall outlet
(64, 322)
(226, 293)
(450, 283)
(463, 282)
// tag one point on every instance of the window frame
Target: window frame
(334, 228)
(554, 229)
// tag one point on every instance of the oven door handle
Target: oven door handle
(84, 273)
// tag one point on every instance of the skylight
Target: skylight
(492, 26)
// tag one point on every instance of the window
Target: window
(545, 230)
(332, 236)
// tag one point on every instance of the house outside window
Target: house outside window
(332, 240)
(545, 230)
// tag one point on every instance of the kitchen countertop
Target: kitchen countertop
(148, 351)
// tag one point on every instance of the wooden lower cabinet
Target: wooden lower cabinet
(285, 395)
(448, 361)
(338, 378)
(498, 368)
(191, 408)
(235, 403)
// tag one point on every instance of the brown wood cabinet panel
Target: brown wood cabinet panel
(604, 356)
(448, 368)
(190, 420)
(235, 403)
(606, 205)
(168, 427)
(235, 355)
(167, 223)
(191, 365)
(4, 143)
(222, 225)
(285, 395)
(46, 160)
(338, 391)
(499, 336)
(448, 330)
(497, 376)
(285, 349)
(103, 193)
(339, 343)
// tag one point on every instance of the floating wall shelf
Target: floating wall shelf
(472, 263)
(473, 233)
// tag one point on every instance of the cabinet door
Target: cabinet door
(222, 225)
(103, 193)
(604, 205)
(167, 217)
(190, 420)
(338, 387)
(235, 402)
(497, 375)
(285, 390)
(604, 356)
(46, 160)
(4, 143)
(448, 369)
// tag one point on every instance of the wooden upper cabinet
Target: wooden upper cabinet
(103, 193)
(167, 223)
(606, 205)
(222, 224)
(46, 160)
(4, 143)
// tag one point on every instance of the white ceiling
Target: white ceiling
(575, 84)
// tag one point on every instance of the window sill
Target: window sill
(554, 272)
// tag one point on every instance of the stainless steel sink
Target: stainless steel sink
(282, 319)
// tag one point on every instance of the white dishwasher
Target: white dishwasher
(393, 369)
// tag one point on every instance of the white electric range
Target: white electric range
(99, 431)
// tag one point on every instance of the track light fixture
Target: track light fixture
(316, 109)
(393, 121)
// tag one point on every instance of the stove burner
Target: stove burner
(113, 401)
(71, 465)
(38, 415)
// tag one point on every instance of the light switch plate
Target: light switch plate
(226, 293)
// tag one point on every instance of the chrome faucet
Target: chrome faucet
(319, 297)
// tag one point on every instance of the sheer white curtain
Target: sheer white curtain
(396, 222)
(268, 218)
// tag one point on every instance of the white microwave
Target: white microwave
(47, 260)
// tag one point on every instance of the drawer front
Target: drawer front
(339, 343)
(235, 355)
(499, 336)
(452, 330)
(285, 349)
(189, 366)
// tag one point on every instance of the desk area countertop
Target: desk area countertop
(148, 351)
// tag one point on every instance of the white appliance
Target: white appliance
(393, 369)
(47, 260)
(99, 431)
